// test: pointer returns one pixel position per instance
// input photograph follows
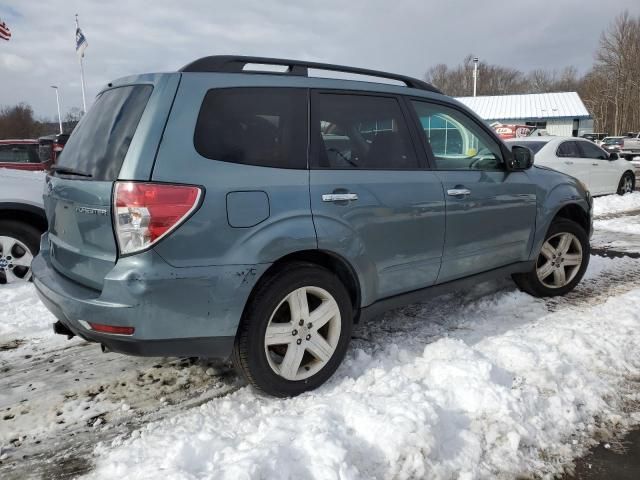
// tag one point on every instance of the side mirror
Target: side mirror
(614, 156)
(521, 158)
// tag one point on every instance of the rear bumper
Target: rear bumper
(175, 311)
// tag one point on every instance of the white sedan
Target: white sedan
(603, 173)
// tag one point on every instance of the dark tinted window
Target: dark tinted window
(535, 147)
(255, 126)
(456, 141)
(589, 150)
(19, 153)
(568, 149)
(100, 141)
(360, 131)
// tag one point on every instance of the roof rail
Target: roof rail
(236, 64)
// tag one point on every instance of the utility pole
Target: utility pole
(55, 87)
(475, 75)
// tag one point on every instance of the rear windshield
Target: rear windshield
(19, 153)
(100, 142)
(534, 146)
(45, 151)
(612, 141)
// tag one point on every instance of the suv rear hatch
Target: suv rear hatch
(78, 194)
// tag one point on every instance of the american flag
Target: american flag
(5, 33)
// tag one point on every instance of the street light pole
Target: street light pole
(475, 74)
(58, 103)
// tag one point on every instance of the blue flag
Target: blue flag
(81, 42)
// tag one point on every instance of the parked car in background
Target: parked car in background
(31, 154)
(22, 222)
(636, 166)
(21, 155)
(612, 144)
(630, 147)
(595, 137)
(602, 172)
(204, 212)
(51, 146)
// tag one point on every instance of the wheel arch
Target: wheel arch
(323, 258)
(28, 214)
(576, 213)
(633, 175)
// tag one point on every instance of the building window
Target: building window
(540, 125)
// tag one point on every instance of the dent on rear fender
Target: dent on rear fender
(342, 240)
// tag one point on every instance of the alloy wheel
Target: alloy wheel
(627, 186)
(15, 261)
(303, 333)
(559, 260)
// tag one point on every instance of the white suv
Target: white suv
(22, 222)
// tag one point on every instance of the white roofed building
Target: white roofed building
(558, 113)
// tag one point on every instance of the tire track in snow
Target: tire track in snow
(596, 290)
(49, 428)
(609, 216)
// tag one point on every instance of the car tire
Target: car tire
(561, 263)
(627, 183)
(285, 356)
(23, 243)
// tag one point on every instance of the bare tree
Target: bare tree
(18, 122)
(612, 88)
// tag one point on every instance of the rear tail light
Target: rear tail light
(99, 327)
(147, 212)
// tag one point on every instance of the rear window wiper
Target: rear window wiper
(70, 171)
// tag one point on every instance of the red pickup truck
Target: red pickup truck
(31, 154)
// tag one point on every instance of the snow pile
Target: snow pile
(22, 313)
(616, 203)
(504, 385)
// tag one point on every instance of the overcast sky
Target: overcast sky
(404, 36)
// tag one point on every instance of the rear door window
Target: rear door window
(568, 150)
(360, 132)
(101, 140)
(254, 126)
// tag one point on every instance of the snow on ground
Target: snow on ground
(509, 388)
(484, 383)
(22, 313)
(625, 224)
(616, 203)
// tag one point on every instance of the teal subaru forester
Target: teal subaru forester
(243, 208)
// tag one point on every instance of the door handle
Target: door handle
(568, 162)
(339, 197)
(595, 164)
(454, 192)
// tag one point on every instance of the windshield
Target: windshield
(100, 142)
(534, 146)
